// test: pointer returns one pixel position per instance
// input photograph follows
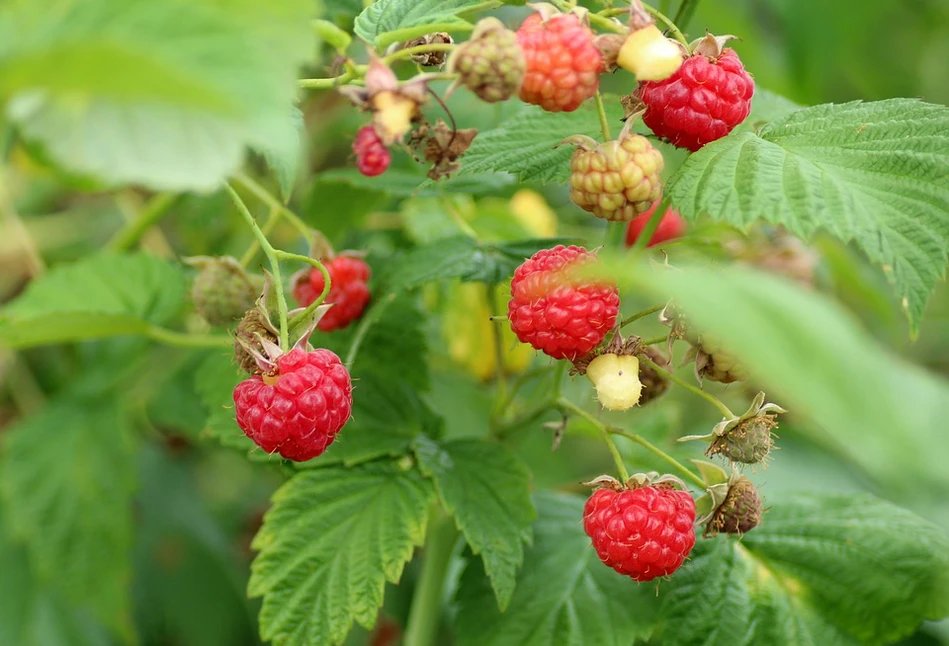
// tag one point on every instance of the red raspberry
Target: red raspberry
(563, 64)
(298, 411)
(643, 533)
(670, 227)
(372, 157)
(703, 101)
(349, 293)
(557, 312)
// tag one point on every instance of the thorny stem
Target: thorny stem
(566, 405)
(365, 323)
(284, 255)
(272, 219)
(271, 254)
(418, 49)
(712, 399)
(267, 198)
(604, 122)
(425, 613)
(641, 314)
(647, 232)
(655, 450)
(131, 233)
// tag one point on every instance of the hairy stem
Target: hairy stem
(659, 453)
(568, 406)
(641, 314)
(601, 111)
(267, 198)
(709, 397)
(425, 612)
(272, 219)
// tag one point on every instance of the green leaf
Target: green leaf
(819, 570)
(465, 258)
(486, 487)
(101, 295)
(564, 597)
(528, 144)
(331, 540)
(873, 173)
(67, 477)
(873, 407)
(165, 93)
(767, 106)
(389, 21)
(284, 153)
(33, 615)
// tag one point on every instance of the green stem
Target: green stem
(685, 13)
(712, 399)
(271, 254)
(601, 111)
(418, 49)
(128, 236)
(655, 450)
(615, 235)
(568, 406)
(500, 393)
(641, 314)
(656, 339)
(185, 340)
(425, 613)
(647, 232)
(367, 322)
(267, 198)
(272, 218)
(326, 83)
(327, 282)
(669, 25)
(603, 22)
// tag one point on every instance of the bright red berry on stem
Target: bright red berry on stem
(298, 410)
(643, 533)
(703, 101)
(558, 311)
(563, 64)
(670, 227)
(348, 293)
(372, 157)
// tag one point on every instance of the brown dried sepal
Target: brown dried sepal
(430, 59)
(441, 146)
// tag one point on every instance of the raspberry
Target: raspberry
(615, 180)
(222, 291)
(643, 533)
(348, 293)
(715, 364)
(649, 55)
(739, 513)
(563, 64)
(372, 157)
(670, 227)
(298, 410)
(616, 378)
(557, 312)
(703, 101)
(491, 64)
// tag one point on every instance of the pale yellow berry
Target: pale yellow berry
(649, 55)
(616, 379)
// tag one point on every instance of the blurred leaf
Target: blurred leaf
(793, 580)
(331, 540)
(876, 409)
(284, 153)
(101, 295)
(33, 615)
(564, 594)
(486, 487)
(165, 93)
(528, 144)
(463, 257)
(409, 18)
(403, 183)
(67, 477)
(873, 173)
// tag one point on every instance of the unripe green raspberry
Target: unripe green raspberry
(715, 364)
(490, 64)
(616, 180)
(222, 290)
(750, 442)
(739, 513)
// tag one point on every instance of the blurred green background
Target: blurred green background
(198, 505)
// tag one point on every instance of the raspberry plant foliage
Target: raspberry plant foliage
(447, 509)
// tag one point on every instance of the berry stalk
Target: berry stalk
(662, 455)
(641, 314)
(272, 219)
(327, 282)
(265, 196)
(712, 399)
(271, 254)
(601, 111)
(566, 405)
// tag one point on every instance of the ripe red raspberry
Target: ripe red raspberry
(349, 293)
(556, 311)
(563, 64)
(670, 227)
(298, 411)
(643, 533)
(617, 179)
(372, 157)
(703, 101)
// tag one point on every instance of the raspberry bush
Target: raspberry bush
(435, 322)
